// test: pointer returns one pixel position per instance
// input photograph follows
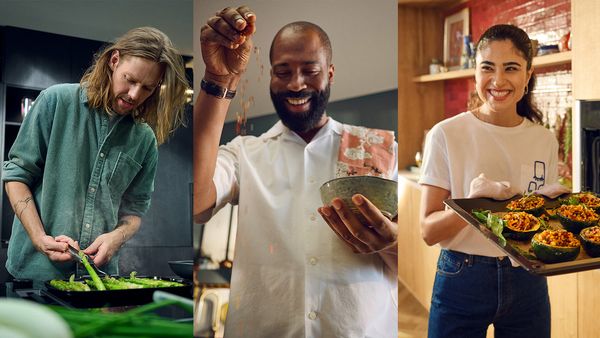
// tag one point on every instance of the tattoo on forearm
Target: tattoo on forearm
(24, 202)
(122, 222)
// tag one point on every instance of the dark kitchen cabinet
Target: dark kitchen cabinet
(35, 59)
(31, 61)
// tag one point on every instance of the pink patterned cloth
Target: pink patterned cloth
(365, 152)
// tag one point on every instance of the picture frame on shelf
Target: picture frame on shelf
(456, 27)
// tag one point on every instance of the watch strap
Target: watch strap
(214, 89)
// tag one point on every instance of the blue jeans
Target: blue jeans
(471, 292)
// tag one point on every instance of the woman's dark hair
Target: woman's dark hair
(522, 43)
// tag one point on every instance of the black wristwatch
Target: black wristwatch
(214, 89)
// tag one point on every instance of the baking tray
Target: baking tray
(464, 207)
(113, 298)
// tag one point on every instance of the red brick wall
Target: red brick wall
(544, 20)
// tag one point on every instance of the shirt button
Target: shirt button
(313, 261)
(313, 217)
(92, 189)
(101, 154)
(312, 315)
(311, 181)
(87, 225)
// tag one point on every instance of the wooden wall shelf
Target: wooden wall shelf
(538, 61)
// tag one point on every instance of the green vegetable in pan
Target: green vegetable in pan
(97, 281)
(71, 285)
(149, 282)
(112, 283)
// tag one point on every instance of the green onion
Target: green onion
(137, 322)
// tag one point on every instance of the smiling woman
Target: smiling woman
(504, 77)
(506, 143)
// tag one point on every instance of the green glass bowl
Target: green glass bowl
(383, 193)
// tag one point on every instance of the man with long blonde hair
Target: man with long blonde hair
(81, 170)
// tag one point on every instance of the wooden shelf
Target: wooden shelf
(453, 74)
(538, 61)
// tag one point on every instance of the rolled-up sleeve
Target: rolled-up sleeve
(28, 154)
(226, 177)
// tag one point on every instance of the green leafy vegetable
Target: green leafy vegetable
(496, 224)
(481, 215)
(491, 221)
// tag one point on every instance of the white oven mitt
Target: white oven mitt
(553, 190)
(482, 186)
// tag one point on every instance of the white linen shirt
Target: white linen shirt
(292, 276)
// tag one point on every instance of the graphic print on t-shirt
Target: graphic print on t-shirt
(538, 179)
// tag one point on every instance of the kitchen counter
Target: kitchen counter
(416, 260)
(411, 175)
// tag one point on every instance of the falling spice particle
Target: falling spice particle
(246, 104)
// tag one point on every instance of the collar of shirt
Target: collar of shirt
(280, 130)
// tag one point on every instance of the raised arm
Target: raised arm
(226, 47)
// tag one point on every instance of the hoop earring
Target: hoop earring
(526, 90)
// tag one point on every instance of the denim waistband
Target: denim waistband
(472, 259)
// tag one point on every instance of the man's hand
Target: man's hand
(56, 248)
(226, 44)
(104, 247)
(378, 235)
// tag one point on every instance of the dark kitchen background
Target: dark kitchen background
(42, 44)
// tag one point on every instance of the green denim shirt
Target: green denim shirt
(83, 174)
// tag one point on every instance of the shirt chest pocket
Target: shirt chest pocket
(122, 173)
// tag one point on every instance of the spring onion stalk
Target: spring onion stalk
(91, 323)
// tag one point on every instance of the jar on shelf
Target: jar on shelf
(26, 104)
(435, 66)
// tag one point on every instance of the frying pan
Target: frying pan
(183, 269)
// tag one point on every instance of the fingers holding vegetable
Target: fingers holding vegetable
(56, 250)
(226, 44)
(68, 240)
(103, 248)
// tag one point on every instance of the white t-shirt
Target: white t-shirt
(292, 276)
(460, 148)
